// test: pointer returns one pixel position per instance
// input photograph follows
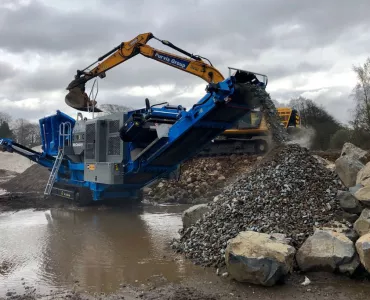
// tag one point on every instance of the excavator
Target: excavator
(195, 65)
(246, 137)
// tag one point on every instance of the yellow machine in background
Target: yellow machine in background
(251, 134)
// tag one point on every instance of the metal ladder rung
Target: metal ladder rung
(54, 171)
(65, 131)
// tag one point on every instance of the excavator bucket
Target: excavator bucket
(77, 99)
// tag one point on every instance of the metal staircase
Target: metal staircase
(65, 139)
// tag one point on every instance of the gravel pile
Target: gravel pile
(200, 180)
(34, 179)
(288, 192)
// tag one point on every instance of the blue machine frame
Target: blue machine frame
(217, 111)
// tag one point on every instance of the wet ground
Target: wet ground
(100, 248)
(124, 252)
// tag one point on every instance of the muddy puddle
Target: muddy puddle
(100, 248)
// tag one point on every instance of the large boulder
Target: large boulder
(363, 195)
(193, 214)
(327, 251)
(349, 203)
(363, 250)
(362, 224)
(259, 258)
(347, 168)
(363, 176)
(355, 152)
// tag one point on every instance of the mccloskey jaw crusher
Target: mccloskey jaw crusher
(116, 155)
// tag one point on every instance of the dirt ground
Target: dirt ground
(31, 200)
(323, 286)
(331, 155)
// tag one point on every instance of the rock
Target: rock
(362, 224)
(327, 251)
(193, 214)
(354, 152)
(363, 250)
(147, 190)
(321, 160)
(345, 216)
(330, 167)
(365, 182)
(221, 178)
(349, 203)
(280, 237)
(355, 188)
(351, 267)
(215, 199)
(258, 258)
(363, 175)
(341, 228)
(363, 195)
(347, 168)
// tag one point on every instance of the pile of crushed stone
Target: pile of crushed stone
(288, 192)
(33, 179)
(200, 179)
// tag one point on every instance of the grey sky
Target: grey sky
(306, 48)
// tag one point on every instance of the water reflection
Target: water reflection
(99, 248)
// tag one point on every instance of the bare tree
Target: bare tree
(300, 105)
(5, 117)
(361, 94)
(27, 133)
(316, 117)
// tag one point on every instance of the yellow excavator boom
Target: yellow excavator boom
(77, 97)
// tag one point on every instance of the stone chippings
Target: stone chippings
(278, 132)
(201, 179)
(289, 192)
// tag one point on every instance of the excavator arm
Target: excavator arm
(78, 99)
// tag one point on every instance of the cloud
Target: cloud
(7, 71)
(304, 49)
